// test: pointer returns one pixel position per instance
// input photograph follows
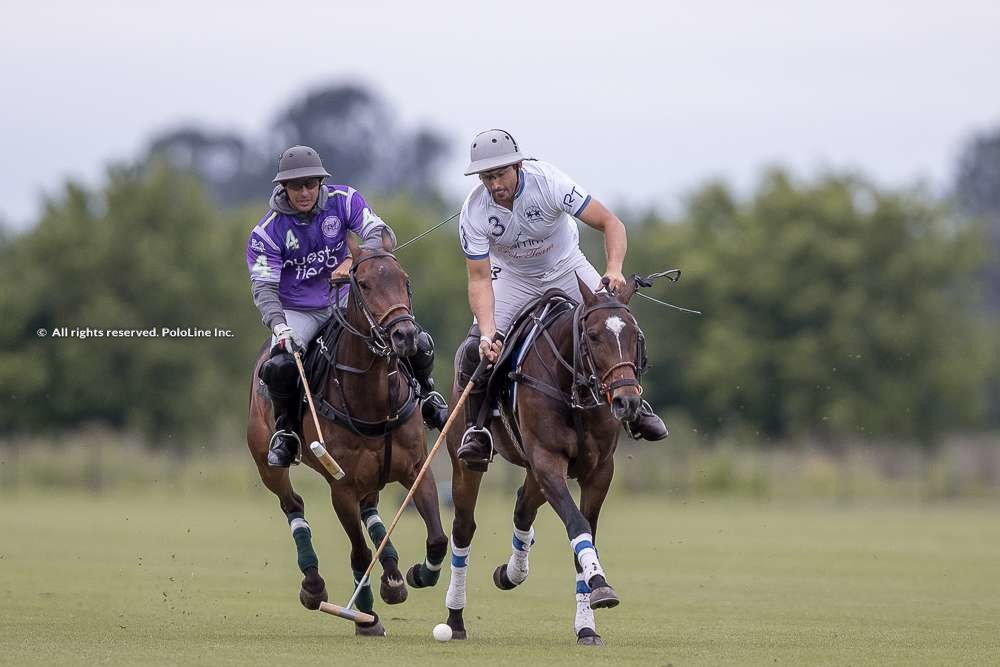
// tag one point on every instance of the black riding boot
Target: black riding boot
(646, 425)
(283, 451)
(433, 407)
(280, 375)
(476, 450)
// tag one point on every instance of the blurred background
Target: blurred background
(826, 176)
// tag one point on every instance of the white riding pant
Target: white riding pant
(512, 292)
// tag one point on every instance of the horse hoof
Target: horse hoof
(393, 591)
(501, 579)
(458, 634)
(311, 600)
(373, 629)
(603, 597)
(590, 640)
(414, 579)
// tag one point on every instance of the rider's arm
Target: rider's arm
(597, 215)
(481, 294)
(264, 262)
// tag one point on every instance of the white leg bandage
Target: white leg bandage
(455, 597)
(517, 566)
(584, 614)
(586, 554)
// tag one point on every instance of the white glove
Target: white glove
(288, 340)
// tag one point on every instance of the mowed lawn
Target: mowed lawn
(165, 578)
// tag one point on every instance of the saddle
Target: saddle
(536, 316)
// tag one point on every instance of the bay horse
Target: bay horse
(576, 372)
(370, 427)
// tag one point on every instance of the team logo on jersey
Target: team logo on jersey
(256, 245)
(331, 226)
(533, 213)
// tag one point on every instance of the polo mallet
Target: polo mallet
(316, 446)
(360, 616)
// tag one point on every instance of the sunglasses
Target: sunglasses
(302, 184)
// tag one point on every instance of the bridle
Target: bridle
(586, 371)
(380, 327)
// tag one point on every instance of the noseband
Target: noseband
(379, 327)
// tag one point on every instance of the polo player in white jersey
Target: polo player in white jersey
(520, 238)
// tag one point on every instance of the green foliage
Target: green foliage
(831, 308)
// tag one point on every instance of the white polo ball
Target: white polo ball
(442, 632)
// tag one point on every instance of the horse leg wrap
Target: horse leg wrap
(584, 614)
(365, 601)
(302, 535)
(586, 554)
(455, 597)
(430, 569)
(376, 531)
(517, 566)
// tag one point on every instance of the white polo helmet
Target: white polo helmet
(492, 149)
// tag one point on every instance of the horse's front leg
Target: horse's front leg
(593, 491)
(345, 503)
(465, 492)
(550, 470)
(515, 570)
(392, 589)
(425, 498)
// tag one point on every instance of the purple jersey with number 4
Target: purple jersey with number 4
(300, 256)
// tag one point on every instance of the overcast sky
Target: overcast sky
(638, 101)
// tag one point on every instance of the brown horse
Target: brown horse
(577, 377)
(374, 440)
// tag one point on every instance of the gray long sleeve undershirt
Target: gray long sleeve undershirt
(265, 297)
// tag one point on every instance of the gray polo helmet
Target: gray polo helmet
(299, 162)
(492, 149)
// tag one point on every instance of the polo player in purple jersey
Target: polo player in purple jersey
(292, 254)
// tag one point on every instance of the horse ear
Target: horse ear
(588, 294)
(388, 240)
(626, 293)
(352, 244)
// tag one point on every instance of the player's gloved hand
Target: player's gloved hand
(288, 340)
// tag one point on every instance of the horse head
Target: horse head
(380, 295)
(611, 343)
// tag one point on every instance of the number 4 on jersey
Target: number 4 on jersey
(291, 243)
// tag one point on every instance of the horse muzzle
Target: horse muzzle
(404, 339)
(626, 408)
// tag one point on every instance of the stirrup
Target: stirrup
(297, 459)
(479, 465)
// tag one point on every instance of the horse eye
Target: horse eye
(592, 335)
(362, 283)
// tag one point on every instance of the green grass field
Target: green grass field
(170, 578)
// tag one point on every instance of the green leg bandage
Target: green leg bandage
(365, 600)
(302, 535)
(376, 531)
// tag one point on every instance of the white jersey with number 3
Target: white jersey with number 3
(539, 236)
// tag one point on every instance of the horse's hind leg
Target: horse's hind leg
(550, 471)
(425, 498)
(392, 589)
(313, 588)
(346, 505)
(592, 494)
(515, 570)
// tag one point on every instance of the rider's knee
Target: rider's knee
(423, 360)
(280, 375)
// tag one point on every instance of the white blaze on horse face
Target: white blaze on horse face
(615, 325)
